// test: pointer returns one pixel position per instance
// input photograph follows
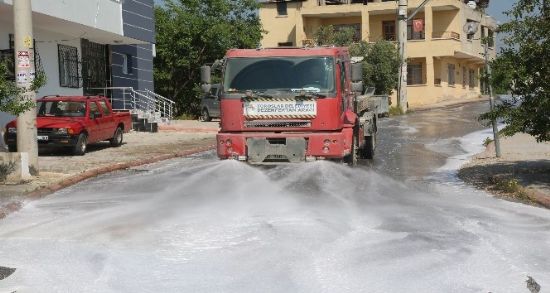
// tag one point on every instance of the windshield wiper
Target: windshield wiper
(255, 94)
(308, 92)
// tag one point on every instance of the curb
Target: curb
(458, 104)
(43, 191)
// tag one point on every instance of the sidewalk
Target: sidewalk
(521, 174)
(59, 170)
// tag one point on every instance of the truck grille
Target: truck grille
(46, 131)
(278, 124)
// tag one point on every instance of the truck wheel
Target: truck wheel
(352, 158)
(116, 141)
(12, 148)
(205, 116)
(370, 146)
(81, 145)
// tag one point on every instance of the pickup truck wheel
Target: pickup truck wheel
(205, 116)
(12, 148)
(81, 145)
(370, 145)
(116, 141)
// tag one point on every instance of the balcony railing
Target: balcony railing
(448, 35)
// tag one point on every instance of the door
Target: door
(94, 127)
(95, 75)
(108, 123)
(214, 101)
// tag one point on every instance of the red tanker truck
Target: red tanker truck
(293, 105)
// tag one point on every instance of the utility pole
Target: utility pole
(402, 40)
(489, 91)
(25, 73)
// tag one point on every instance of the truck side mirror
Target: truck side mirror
(206, 87)
(205, 74)
(357, 72)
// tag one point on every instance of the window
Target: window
(414, 74)
(127, 64)
(411, 34)
(104, 107)
(471, 29)
(472, 78)
(68, 66)
(451, 77)
(464, 78)
(355, 27)
(491, 38)
(213, 91)
(388, 29)
(282, 8)
(61, 109)
(94, 109)
(268, 74)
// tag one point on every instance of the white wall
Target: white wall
(46, 46)
(101, 14)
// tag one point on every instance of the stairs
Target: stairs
(148, 109)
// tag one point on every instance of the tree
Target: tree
(522, 68)
(380, 65)
(381, 59)
(191, 33)
(328, 35)
(11, 97)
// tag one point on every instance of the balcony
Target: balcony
(447, 35)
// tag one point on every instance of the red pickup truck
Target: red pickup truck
(74, 122)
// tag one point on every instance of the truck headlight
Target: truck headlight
(12, 130)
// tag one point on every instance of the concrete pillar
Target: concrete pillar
(428, 21)
(25, 72)
(430, 71)
(365, 19)
(299, 34)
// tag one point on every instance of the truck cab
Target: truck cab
(290, 105)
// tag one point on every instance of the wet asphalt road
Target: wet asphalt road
(401, 223)
(410, 147)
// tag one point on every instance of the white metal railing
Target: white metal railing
(164, 105)
(129, 99)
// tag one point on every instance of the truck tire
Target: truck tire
(205, 115)
(116, 141)
(12, 148)
(81, 145)
(352, 158)
(370, 146)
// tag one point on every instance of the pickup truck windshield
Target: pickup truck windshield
(264, 75)
(61, 109)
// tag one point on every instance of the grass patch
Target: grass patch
(5, 170)
(186, 116)
(512, 188)
(396, 111)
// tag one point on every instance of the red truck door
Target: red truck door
(94, 127)
(108, 123)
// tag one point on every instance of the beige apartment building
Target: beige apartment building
(444, 48)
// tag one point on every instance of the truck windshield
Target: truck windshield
(312, 74)
(61, 109)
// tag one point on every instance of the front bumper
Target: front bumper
(268, 147)
(50, 140)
